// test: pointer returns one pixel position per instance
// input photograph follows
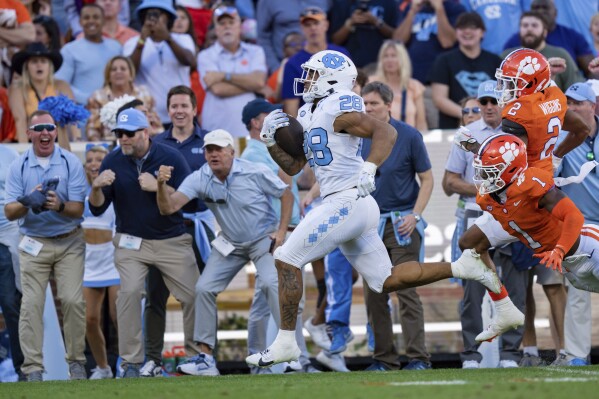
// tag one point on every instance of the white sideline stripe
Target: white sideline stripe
(572, 371)
(408, 383)
(225, 335)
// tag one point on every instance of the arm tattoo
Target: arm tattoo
(288, 163)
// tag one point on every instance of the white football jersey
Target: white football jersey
(334, 157)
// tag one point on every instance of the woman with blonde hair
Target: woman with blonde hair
(119, 74)
(394, 68)
(36, 65)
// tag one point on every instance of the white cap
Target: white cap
(218, 137)
(594, 85)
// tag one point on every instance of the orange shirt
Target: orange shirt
(542, 115)
(21, 10)
(521, 216)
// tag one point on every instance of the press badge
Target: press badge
(130, 242)
(30, 246)
(223, 246)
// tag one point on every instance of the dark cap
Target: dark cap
(255, 108)
(469, 20)
(315, 13)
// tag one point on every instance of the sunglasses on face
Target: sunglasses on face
(40, 127)
(119, 133)
(225, 10)
(219, 201)
(473, 110)
(485, 101)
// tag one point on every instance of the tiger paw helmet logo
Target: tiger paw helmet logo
(509, 152)
(529, 65)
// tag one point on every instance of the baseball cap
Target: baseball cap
(219, 137)
(131, 120)
(594, 85)
(581, 92)
(225, 11)
(315, 13)
(487, 89)
(255, 108)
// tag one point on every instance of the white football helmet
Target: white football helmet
(325, 72)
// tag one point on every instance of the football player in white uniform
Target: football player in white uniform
(334, 124)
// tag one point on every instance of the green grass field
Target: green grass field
(546, 383)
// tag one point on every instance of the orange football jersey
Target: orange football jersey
(520, 214)
(542, 115)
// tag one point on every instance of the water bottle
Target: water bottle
(397, 220)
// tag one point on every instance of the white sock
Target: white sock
(531, 350)
(286, 337)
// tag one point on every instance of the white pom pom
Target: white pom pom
(108, 111)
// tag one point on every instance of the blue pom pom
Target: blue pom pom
(64, 110)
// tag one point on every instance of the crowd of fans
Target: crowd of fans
(176, 70)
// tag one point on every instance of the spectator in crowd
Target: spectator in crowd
(292, 43)
(186, 136)
(314, 23)
(15, 31)
(458, 179)
(112, 28)
(155, 124)
(426, 28)
(459, 72)
(560, 36)
(582, 99)
(249, 233)
(394, 68)
(362, 26)
(49, 221)
(10, 290)
(402, 229)
(162, 59)
(533, 35)
(8, 131)
(100, 278)
(500, 18)
(470, 110)
(144, 237)
(84, 60)
(36, 64)
(276, 20)
(47, 32)
(73, 8)
(119, 75)
(231, 71)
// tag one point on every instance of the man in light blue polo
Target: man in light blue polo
(239, 193)
(577, 323)
(45, 190)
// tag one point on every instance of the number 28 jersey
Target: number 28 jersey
(542, 115)
(333, 156)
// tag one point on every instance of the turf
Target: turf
(563, 382)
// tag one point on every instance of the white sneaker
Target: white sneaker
(470, 267)
(101, 374)
(274, 354)
(335, 362)
(470, 364)
(318, 333)
(508, 364)
(151, 369)
(201, 364)
(508, 317)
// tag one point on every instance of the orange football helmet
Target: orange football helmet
(522, 72)
(500, 160)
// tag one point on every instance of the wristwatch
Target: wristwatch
(417, 217)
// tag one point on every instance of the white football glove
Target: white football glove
(556, 161)
(273, 121)
(462, 137)
(366, 179)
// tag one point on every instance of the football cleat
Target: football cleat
(274, 354)
(508, 317)
(470, 267)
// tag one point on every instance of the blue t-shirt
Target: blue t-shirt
(396, 185)
(192, 151)
(136, 210)
(562, 36)
(423, 45)
(293, 69)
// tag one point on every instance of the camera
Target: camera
(363, 5)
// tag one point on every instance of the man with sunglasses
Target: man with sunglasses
(577, 324)
(45, 190)
(239, 194)
(144, 237)
(458, 179)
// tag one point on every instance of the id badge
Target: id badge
(223, 246)
(130, 242)
(30, 246)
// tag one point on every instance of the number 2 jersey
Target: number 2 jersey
(520, 214)
(333, 156)
(542, 115)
